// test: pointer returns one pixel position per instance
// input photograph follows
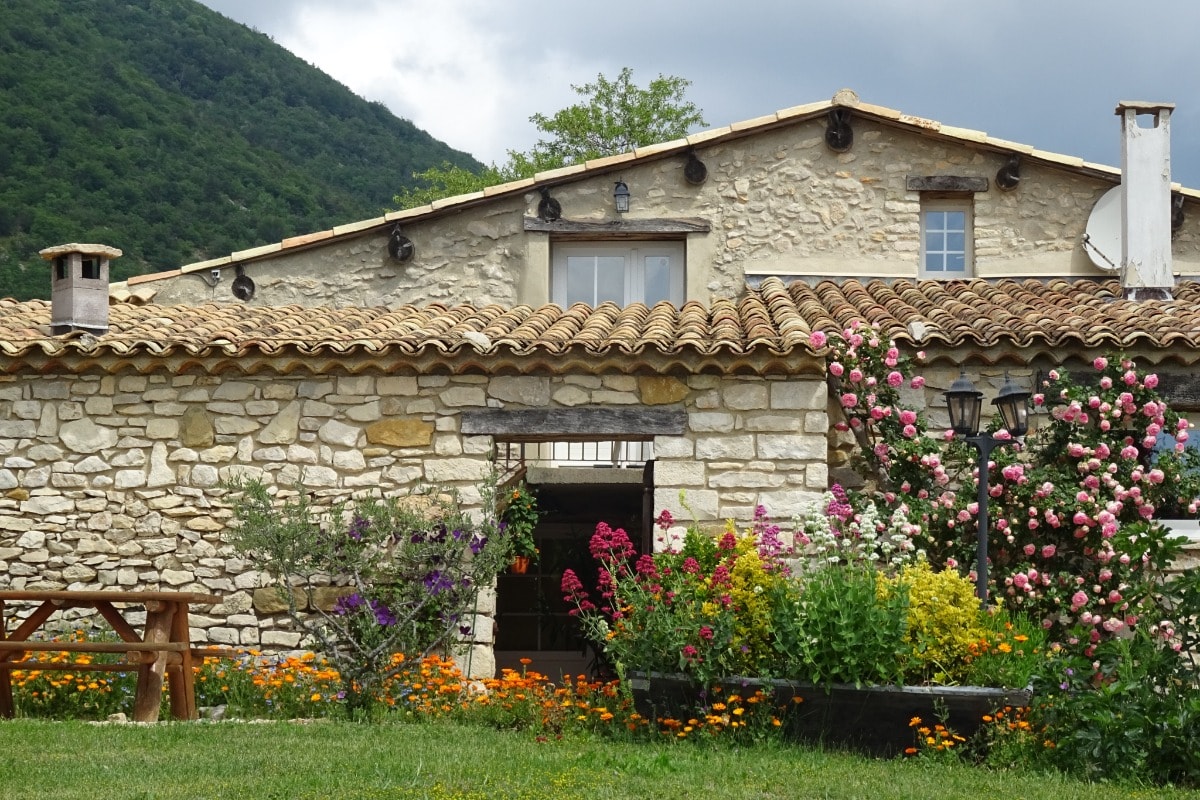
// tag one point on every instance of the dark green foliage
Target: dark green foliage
(169, 131)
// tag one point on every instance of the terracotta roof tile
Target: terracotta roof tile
(775, 319)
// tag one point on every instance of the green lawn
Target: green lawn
(66, 760)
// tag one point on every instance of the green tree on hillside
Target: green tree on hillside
(615, 116)
(175, 134)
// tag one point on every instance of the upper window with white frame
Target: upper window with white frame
(622, 272)
(946, 238)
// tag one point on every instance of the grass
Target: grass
(448, 761)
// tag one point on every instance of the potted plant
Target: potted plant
(520, 517)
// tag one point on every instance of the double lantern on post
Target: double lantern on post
(965, 402)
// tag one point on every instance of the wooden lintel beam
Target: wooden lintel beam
(577, 424)
(946, 183)
(620, 227)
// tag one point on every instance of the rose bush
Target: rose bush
(1076, 543)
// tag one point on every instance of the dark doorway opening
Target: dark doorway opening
(532, 619)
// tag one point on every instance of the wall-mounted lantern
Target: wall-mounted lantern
(621, 197)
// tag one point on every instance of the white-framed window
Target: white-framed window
(621, 272)
(947, 235)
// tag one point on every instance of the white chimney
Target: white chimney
(1146, 266)
(79, 286)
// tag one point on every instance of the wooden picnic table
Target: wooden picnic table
(163, 648)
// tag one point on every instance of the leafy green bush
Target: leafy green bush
(841, 628)
(943, 623)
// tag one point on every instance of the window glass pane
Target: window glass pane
(956, 242)
(955, 262)
(581, 280)
(658, 279)
(610, 280)
(955, 221)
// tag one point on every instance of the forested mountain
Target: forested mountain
(169, 131)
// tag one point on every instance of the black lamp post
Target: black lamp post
(964, 403)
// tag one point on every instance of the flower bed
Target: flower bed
(876, 720)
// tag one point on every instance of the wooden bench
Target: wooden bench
(163, 649)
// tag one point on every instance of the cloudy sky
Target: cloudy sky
(1039, 72)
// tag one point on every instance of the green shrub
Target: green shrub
(840, 628)
(943, 623)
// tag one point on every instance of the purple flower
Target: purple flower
(347, 604)
(436, 582)
(358, 527)
(383, 614)
(477, 544)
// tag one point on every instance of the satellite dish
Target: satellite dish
(1102, 237)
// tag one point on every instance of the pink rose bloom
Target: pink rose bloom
(910, 431)
(817, 339)
(856, 375)
(849, 400)
(917, 382)
(1030, 549)
(1156, 475)
(1106, 382)
(1100, 363)
(1078, 600)
(1129, 451)
(908, 417)
(1130, 378)
(836, 368)
(1151, 381)
(856, 340)
(1048, 551)
(894, 379)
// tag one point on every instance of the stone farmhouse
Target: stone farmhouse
(615, 332)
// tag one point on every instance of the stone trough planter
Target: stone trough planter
(869, 719)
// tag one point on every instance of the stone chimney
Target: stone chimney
(79, 287)
(1146, 267)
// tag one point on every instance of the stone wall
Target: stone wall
(113, 481)
(778, 202)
